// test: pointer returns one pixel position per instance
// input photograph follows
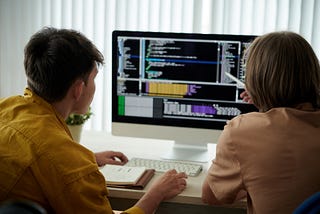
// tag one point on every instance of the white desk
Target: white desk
(189, 201)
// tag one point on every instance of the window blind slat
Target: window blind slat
(98, 18)
(315, 38)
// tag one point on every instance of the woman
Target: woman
(271, 157)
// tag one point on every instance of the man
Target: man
(39, 160)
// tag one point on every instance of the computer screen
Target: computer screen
(177, 86)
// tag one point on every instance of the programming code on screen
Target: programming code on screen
(169, 78)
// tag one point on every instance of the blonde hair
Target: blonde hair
(282, 70)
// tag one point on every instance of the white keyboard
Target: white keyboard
(163, 165)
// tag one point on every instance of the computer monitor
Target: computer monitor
(177, 86)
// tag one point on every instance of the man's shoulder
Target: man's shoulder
(7, 103)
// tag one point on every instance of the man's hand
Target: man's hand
(110, 157)
(165, 187)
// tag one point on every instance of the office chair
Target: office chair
(21, 207)
(309, 206)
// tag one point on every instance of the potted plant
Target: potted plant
(75, 123)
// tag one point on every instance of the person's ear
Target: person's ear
(78, 89)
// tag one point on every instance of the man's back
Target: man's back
(41, 163)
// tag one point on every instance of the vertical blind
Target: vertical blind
(19, 19)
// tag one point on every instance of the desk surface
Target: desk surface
(148, 148)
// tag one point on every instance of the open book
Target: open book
(126, 176)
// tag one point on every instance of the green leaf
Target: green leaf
(78, 119)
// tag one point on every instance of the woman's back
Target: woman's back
(278, 156)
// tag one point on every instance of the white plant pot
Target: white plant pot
(76, 132)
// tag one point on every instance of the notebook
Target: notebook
(126, 176)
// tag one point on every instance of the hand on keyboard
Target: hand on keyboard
(163, 165)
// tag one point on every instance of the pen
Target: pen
(239, 82)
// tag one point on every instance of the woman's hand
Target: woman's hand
(246, 97)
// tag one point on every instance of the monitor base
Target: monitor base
(189, 153)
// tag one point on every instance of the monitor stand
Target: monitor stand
(187, 153)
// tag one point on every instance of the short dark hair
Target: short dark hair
(55, 58)
(282, 70)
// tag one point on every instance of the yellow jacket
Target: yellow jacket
(40, 162)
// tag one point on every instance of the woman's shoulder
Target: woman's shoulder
(248, 119)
